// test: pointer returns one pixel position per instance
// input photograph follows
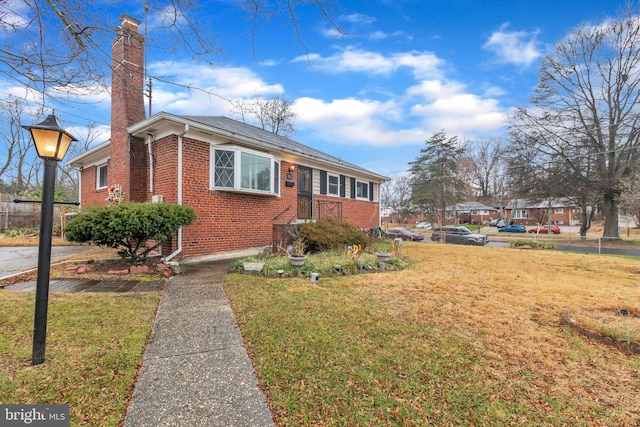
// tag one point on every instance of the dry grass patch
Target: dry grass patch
(94, 346)
(467, 336)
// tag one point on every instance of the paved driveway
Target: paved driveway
(15, 259)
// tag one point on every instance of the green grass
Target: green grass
(94, 345)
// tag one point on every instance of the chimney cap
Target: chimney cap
(129, 21)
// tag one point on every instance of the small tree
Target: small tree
(129, 226)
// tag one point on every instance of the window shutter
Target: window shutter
(371, 191)
(343, 186)
(323, 182)
(353, 188)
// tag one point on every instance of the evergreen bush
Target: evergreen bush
(129, 226)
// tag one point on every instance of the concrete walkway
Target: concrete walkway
(196, 371)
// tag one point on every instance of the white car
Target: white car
(424, 225)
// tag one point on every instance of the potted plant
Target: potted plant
(296, 252)
(384, 251)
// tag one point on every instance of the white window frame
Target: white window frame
(274, 171)
(98, 169)
(336, 185)
(558, 211)
(366, 184)
(520, 214)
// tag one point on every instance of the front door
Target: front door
(305, 193)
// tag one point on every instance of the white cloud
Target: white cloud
(358, 18)
(422, 64)
(514, 47)
(378, 35)
(216, 87)
(353, 121)
(447, 106)
(431, 102)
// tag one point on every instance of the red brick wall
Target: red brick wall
(228, 221)
(361, 213)
(89, 194)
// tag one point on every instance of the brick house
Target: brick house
(531, 212)
(469, 213)
(240, 180)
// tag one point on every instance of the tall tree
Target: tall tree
(435, 181)
(396, 194)
(586, 105)
(18, 170)
(483, 164)
(275, 114)
(630, 198)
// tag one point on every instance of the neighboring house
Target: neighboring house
(531, 212)
(469, 213)
(243, 182)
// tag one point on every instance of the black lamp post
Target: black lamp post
(52, 143)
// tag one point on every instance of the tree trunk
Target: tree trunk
(610, 217)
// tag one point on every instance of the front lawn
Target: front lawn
(94, 345)
(465, 336)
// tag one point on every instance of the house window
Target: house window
(101, 176)
(558, 210)
(223, 175)
(333, 184)
(242, 170)
(362, 190)
(520, 213)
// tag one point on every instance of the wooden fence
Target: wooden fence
(25, 215)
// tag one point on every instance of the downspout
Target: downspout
(179, 249)
(151, 163)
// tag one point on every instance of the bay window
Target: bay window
(237, 169)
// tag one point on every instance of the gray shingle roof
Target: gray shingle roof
(277, 141)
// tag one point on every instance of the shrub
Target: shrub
(532, 243)
(331, 234)
(129, 226)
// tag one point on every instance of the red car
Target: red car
(545, 230)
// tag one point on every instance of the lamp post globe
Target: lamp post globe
(52, 143)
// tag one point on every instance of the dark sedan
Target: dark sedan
(404, 234)
(513, 229)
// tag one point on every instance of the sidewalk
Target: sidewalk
(196, 371)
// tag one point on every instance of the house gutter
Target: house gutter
(179, 249)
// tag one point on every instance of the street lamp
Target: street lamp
(52, 143)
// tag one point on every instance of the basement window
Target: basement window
(238, 169)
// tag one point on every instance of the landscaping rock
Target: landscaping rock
(139, 269)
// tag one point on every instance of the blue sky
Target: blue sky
(403, 70)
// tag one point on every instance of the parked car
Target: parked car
(424, 225)
(404, 234)
(545, 230)
(495, 221)
(458, 234)
(513, 229)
